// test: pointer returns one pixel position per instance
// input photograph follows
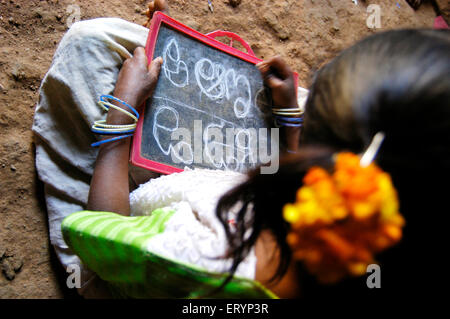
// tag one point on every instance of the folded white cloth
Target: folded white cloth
(86, 65)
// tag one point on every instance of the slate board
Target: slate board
(215, 89)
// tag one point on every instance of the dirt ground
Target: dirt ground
(306, 32)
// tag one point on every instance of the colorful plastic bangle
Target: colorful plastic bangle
(293, 114)
(289, 119)
(101, 127)
(111, 132)
(110, 97)
(290, 124)
(110, 140)
(107, 105)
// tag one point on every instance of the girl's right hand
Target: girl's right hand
(279, 77)
(135, 83)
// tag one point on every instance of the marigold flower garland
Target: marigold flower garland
(340, 220)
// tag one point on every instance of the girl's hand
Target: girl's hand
(109, 189)
(135, 83)
(279, 77)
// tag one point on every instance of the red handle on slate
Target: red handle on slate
(232, 36)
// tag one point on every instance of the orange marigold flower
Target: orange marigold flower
(340, 220)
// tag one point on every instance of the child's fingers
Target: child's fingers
(280, 66)
(270, 79)
(274, 68)
(154, 67)
(264, 68)
(139, 52)
(273, 82)
(139, 55)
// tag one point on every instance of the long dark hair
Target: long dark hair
(397, 82)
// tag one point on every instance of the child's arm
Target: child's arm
(109, 189)
(280, 79)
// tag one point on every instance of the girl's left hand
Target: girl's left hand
(135, 83)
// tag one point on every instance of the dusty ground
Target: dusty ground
(306, 32)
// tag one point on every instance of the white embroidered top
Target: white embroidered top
(193, 235)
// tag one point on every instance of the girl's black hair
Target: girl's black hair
(397, 82)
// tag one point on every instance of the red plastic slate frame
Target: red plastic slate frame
(158, 18)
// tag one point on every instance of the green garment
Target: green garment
(114, 247)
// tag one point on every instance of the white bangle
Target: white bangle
(287, 111)
(297, 109)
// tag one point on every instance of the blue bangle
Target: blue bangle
(290, 124)
(104, 97)
(279, 122)
(110, 140)
(111, 132)
(289, 119)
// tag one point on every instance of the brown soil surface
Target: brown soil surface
(306, 32)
